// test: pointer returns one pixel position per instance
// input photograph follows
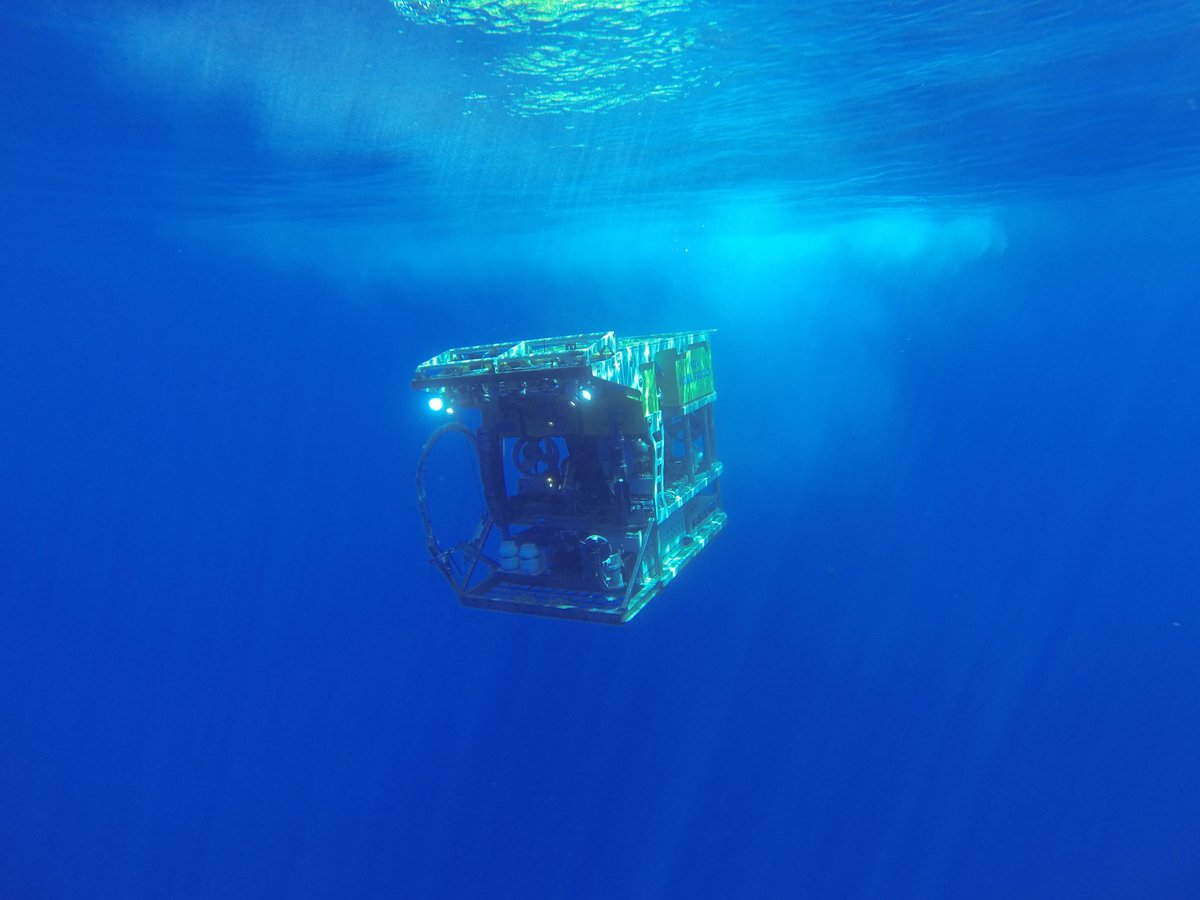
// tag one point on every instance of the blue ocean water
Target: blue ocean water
(947, 645)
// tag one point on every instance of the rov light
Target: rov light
(585, 394)
(437, 404)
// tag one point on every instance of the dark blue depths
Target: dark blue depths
(945, 648)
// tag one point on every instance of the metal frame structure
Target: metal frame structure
(598, 460)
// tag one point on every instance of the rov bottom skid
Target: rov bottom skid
(598, 461)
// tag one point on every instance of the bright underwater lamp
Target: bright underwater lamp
(441, 402)
(585, 394)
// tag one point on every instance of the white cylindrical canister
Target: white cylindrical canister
(508, 556)
(531, 559)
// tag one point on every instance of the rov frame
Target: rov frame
(599, 469)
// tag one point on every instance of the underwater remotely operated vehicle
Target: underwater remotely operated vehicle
(599, 470)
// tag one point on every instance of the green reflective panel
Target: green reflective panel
(694, 371)
(649, 391)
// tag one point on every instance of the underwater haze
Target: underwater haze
(948, 644)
